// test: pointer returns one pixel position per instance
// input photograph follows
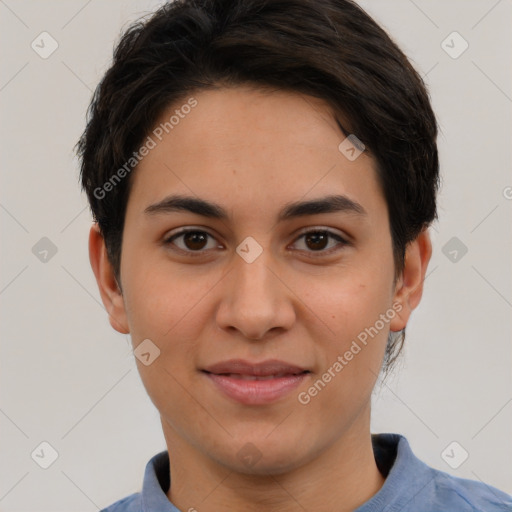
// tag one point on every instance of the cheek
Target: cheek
(352, 307)
(165, 309)
(170, 308)
(160, 298)
(347, 302)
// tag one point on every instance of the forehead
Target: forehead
(220, 113)
(244, 146)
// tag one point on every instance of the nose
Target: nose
(255, 299)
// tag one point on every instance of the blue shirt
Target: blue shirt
(410, 485)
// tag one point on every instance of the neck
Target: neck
(341, 478)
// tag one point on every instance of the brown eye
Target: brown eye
(195, 240)
(318, 241)
(192, 241)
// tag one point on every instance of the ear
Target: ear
(110, 292)
(409, 287)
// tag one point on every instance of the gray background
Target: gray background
(69, 379)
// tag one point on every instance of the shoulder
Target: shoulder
(413, 485)
(468, 495)
(156, 479)
(131, 503)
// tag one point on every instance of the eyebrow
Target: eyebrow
(328, 204)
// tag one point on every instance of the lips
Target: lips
(255, 383)
(269, 368)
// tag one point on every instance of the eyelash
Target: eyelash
(323, 252)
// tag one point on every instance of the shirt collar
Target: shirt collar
(156, 485)
(405, 474)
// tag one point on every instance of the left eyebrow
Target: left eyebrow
(329, 204)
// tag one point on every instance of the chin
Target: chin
(267, 466)
(258, 456)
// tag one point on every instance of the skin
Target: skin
(252, 152)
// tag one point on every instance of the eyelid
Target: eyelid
(324, 229)
(343, 241)
(168, 239)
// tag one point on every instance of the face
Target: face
(259, 315)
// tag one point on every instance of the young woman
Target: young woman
(263, 175)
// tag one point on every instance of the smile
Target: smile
(255, 383)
